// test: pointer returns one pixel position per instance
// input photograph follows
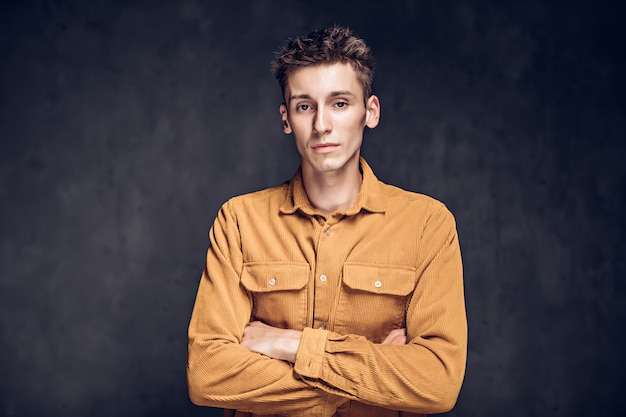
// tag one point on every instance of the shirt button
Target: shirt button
(322, 327)
(323, 278)
(378, 284)
(327, 231)
(272, 281)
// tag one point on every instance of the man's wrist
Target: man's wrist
(286, 347)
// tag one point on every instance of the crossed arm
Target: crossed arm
(422, 374)
(284, 343)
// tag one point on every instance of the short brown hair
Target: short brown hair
(329, 45)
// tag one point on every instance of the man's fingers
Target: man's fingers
(249, 330)
(399, 340)
(396, 337)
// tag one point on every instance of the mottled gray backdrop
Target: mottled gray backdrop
(125, 124)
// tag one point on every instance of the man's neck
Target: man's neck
(332, 191)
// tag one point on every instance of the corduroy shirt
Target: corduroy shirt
(346, 280)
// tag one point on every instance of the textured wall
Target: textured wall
(124, 126)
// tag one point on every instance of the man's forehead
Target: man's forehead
(322, 79)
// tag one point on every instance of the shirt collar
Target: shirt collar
(370, 197)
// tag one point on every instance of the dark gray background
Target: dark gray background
(125, 124)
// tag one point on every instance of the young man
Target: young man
(334, 294)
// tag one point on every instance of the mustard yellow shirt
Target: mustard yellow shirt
(346, 280)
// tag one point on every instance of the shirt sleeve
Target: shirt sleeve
(220, 372)
(426, 374)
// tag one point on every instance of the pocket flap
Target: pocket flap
(379, 279)
(274, 276)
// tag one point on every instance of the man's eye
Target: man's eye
(303, 107)
(341, 104)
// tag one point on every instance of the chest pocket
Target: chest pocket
(279, 292)
(373, 299)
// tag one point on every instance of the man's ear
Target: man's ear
(372, 116)
(284, 118)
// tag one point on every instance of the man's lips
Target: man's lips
(324, 147)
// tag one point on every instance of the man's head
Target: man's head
(330, 45)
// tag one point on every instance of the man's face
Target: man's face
(326, 111)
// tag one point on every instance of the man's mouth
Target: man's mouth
(325, 147)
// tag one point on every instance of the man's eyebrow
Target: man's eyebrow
(332, 94)
(297, 96)
(342, 93)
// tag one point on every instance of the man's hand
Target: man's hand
(283, 344)
(271, 341)
(395, 337)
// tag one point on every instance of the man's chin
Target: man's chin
(330, 165)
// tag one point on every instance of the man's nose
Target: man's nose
(322, 123)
